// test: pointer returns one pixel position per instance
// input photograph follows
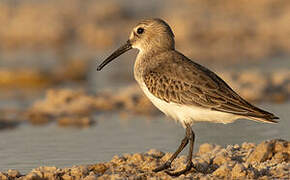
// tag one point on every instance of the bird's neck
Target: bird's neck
(147, 54)
(149, 59)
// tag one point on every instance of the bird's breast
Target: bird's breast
(139, 68)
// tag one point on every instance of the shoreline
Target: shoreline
(267, 160)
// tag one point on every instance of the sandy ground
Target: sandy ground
(267, 160)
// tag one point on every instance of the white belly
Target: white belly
(188, 114)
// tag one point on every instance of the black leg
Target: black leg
(191, 136)
(167, 164)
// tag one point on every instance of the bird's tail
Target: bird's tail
(262, 116)
(265, 119)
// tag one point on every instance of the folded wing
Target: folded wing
(188, 83)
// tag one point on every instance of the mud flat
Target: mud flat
(267, 160)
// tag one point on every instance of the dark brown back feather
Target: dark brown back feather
(185, 82)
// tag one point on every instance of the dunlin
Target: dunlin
(181, 88)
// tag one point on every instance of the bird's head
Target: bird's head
(148, 35)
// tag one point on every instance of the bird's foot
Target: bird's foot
(188, 167)
(161, 168)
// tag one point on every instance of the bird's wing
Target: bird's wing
(183, 81)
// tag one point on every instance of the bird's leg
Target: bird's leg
(191, 136)
(167, 164)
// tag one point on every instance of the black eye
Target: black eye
(140, 30)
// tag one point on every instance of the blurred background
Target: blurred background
(48, 56)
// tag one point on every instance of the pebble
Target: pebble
(98, 168)
(91, 176)
(248, 146)
(32, 176)
(75, 121)
(262, 152)
(3, 176)
(205, 148)
(223, 171)
(13, 173)
(155, 153)
(67, 177)
(238, 171)
(221, 158)
(38, 118)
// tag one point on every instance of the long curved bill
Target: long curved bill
(118, 52)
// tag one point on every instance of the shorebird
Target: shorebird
(181, 88)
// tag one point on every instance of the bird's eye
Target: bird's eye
(140, 30)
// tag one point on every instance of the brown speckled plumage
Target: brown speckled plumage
(181, 88)
(178, 79)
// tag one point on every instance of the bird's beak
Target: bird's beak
(118, 52)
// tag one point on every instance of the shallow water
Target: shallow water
(28, 147)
